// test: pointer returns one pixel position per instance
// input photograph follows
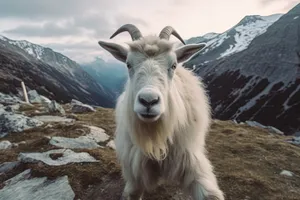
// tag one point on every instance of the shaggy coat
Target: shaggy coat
(171, 149)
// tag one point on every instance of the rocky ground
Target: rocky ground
(48, 151)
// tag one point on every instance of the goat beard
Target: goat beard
(153, 138)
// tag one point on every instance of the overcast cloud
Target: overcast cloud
(73, 27)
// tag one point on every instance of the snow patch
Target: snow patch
(65, 156)
(252, 102)
(247, 32)
(210, 36)
(3, 38)
(32, 49)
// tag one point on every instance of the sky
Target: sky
(74, 27)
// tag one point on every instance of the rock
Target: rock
(54, 107)
(49, 126)
(66, 156)
(10, 122)
(12, 108)
(5, 144)
(269, 128)
(81, 142)
(6, 99)
(255, 124)
(34, 97)
(45, 99)
(17, 144)
(22, 176)
(75, 102)
(111, 144)
(8, 166)
(23, 186)
(97, 134)
(275, 130)
(286, 173)
(89, 141)
(78, 107)
(50, 118)
(294, 140)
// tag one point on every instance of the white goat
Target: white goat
(162, 118)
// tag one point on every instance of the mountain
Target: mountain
(50, 73)
(236, 39)
(112, 76)
(252, 71)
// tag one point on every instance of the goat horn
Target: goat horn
(168, 31)
(132, 29)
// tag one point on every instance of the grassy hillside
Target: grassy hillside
(247, 161)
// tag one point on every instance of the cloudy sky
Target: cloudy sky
(73, 27)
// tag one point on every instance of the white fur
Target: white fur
(172, 148)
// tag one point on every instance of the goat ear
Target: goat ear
(185, 52)
(118, 51)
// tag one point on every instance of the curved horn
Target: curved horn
(168, 31)
(132, 29)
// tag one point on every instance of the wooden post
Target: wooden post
(25, 92)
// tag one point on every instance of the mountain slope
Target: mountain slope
(112, 76)
(260, 83)
(50, 73)
(235, 39)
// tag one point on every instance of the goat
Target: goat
(162, 117)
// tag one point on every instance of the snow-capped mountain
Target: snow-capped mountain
(252, 71)
(50, 73)
(236, 39)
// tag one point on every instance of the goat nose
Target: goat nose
(148, 99)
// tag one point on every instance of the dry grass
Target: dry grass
(247, 162)
(103, 118)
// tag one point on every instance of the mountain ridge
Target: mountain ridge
(48, 72)
(261, 82)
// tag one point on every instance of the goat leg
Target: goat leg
(202, 182)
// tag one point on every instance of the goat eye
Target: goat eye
(128, 65)
(174, 66)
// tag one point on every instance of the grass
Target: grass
(246, 160)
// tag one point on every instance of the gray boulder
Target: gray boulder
(23, 186)
(6, 99)
(78, 107)
(12, 108)
(8, 166)
(54, 107)
(56, 157)
(5, 144)
(10, 122)
(45, 99)
(34, 97)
